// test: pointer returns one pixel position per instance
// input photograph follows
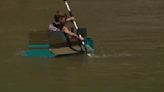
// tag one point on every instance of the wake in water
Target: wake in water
(117, 55)
(110, 55)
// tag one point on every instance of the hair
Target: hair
(58, 15)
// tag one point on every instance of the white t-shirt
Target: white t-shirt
(53, 28)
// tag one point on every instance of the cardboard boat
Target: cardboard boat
(56, 43)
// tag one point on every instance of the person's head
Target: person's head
(60, 17)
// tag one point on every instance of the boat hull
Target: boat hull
(44, 50)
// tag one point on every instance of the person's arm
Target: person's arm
(66, 30)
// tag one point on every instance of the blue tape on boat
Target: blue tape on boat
(39, 53)
(38, 46)
(90, 44)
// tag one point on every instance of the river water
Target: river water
(129, 42)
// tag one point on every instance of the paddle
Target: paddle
(75, 24)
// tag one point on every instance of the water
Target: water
(128, 38)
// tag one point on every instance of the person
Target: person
(59, 24)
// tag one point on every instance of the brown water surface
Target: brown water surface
(129, 41)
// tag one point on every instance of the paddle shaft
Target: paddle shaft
(74, 22)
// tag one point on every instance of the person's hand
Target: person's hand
(71, 19)
(81, 38)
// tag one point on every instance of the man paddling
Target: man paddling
(59, 24)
